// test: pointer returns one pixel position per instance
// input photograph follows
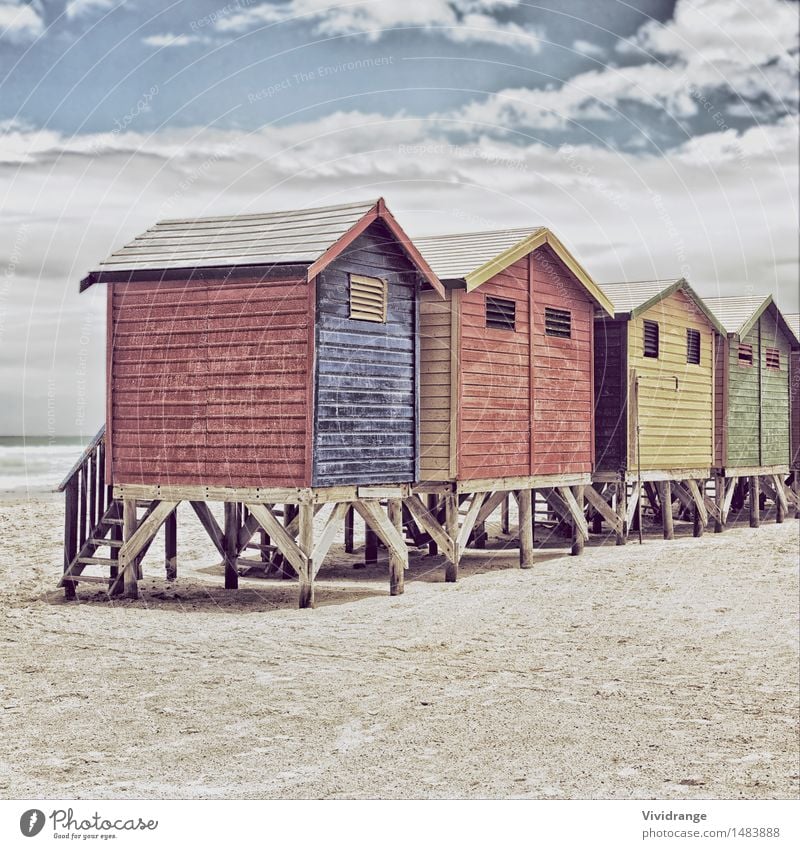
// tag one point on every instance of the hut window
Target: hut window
(557, 322)
(745, 355)
(501, 313)
(773, 358)
(368, 297)
(651, 339)
(693, 346)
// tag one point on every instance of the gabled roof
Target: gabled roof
(313, 237)
(633, 298)
(476, 257)
(739, 313)
(793, 321)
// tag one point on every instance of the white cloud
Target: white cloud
(167, 39)
(78, 8)
(458, 20)
(588, 49)
(20, 21)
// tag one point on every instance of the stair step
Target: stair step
(88, 579)
(111, 543)
(111, 521)
(260, 547)
(99, 561)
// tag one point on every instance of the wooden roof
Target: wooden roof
(476, 257)
(312, 237)
(635, 297)
(739, 313)
(793, 321)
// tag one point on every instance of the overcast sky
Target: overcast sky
(657, 139)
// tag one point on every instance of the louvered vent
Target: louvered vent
(501, 313)
(745, 355)
(651, 339)
(368, 296)
(773, 358)
(557, 322)
(693, 346)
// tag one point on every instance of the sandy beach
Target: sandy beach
(668, 670)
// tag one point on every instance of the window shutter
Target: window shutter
(773, 358)
(501, 313)
(693, 346)
(745, 355)
(557, 322)
(368, 297)
(651, 339)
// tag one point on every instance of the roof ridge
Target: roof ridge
(276, 212)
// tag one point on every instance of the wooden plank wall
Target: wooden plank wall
(610, 388)
(744, 404)
(774, 393)
(721, 376)
(366, 371)
(208, 382)
(563, 408)
(794, 377)
(435, 390)
(677, 422)
(495, 423)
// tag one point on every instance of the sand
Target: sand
(668, 670)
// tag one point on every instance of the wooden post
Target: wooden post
(349, 544)
(665, 497)
(128, 529)
(433, 502)
(622, 511)
(370, 546)
(231, 536)
(171, 545)
(305, 541)
(525, 509)
(505, 524)
(396, 566)
(698, 525)
(263, 538)
(755, 506)
(116, 535)
(780, 504)
(451, 528)
(796, 490)
(479, 535)
(577, 537)
(719, 500)
(70, 531)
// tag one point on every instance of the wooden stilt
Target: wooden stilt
(171, 546)
(698, 517)
(263, 538)
(305, 542)
(451, 529)
(622, 512)
(396, 565)
(577, 536)
(479, 535)
(665, 497)
(128, 530)
(796, 491)
(719, 500)
(505, 524)
(70, 532)
(115, 586)
(349, 530)
(231, 534)
(370, 546)
(525, 509)
(755, 505)
(433, 502)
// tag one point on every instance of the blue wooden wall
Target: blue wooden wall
(365, 421)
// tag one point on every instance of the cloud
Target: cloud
(78, 8)
(167, 39)
(20, 22)
(588, 49)
(462, 21)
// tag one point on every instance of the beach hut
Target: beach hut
(506, 385)
(255, 360)
(793, 321)
(654, 397)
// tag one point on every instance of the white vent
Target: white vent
(368, 297)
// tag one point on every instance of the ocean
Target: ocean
(37, 463)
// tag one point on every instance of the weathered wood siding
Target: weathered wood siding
(742, 421)
(563, 396)
(208, 382)
(721, 354)
(774, 393)
(494, 382)
(610, 388)
(435, 410)
(794, 378)
(365, 412)
(676, 418)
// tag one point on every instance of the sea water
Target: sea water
(37, 463)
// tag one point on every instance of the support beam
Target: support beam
(633, 505)
(665, 497)
(719, 499)
(70, 532)
(730, 489)
(470, 520)
(603, 509)
(372, 514)
(397, 568)
(505, 524)
(370, 546)
(621, 511)
(328, 535)
(433, 509)
(451, 529)
(576, 516)
(525, 509)
(209, 523)
(490, 504)
(699, 501)
(349, 531)
(426, 519)
(305, 541)
(128, 532)
(781, 504)
(578, 537)
(171, 545)
(231, 534)
(755, 507)
(286, 545)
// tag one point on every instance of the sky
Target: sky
(657, 139)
